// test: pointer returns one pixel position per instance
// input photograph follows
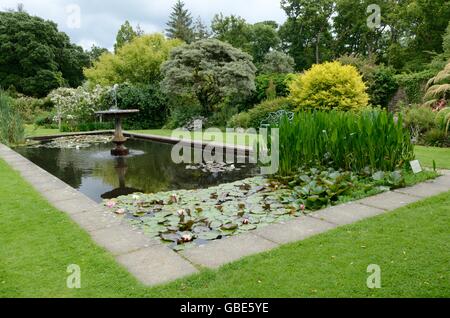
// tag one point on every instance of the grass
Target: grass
(411, 246)
(426, 155)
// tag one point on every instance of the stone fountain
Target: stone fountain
(118, 114)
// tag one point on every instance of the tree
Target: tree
(257, 39)
(277, 62)
(95, 52)
(232, 29)
(180, 23)
(211, 71)
(125, 35)
(312, 17)
(35, 57)
(200, 30)
(353, 35)
(263, 38)
(137, 62)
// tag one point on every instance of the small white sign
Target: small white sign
(416, 167)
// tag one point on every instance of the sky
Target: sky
(89, 22)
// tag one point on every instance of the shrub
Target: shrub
(277, 62)
(182, 109)
(279, 81)
(11, 125)
(148, 98)
(370, 140)
(256, 115)
(31, 108)
(74, 106)
(418, 119)
(380, 80)
(436, 137)
(329, 86)
(414, 85)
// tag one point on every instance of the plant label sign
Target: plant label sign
(416, 167)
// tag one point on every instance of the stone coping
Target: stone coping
(163, 139)
(153, 263)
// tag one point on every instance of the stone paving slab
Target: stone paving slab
(295, 230)
(122, 239)
(156, 265)
(76, 205)
(425, 190)
(389, 200)
(218, 253)
(94, 220)
(346, 213)
(444, 181)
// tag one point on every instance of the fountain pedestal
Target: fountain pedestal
(119, 139)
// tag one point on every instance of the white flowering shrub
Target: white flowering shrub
(76, 105)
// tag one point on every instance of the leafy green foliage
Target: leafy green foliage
(137, 62)
(438, 87)
(35, 57)
(414, 85)
(329, 86)
(277, 62)
(254, 117)
(371, 140)
(380, 80)
(180, 24)
(316, 188)
(125, 35)
(149, 99)
(256, 39)
(280, 83)
(211, 71)
(11, 124)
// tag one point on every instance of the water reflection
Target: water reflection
(121, 170)
(149, 168)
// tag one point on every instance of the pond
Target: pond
(149, 169)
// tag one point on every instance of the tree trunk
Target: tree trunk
(317, 49)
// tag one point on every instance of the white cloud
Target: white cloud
(100, 20)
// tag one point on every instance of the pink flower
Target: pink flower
(302, 207)
(111, 204)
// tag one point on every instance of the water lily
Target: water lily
(181, 212)
(302, 207)
(245, 221)
(120, 211)
(111, 204)
(136, 197)
(187, 238)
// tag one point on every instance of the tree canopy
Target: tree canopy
(180, 25)
(137, 62)
(209, 70)
(125, 35)
(35, 57)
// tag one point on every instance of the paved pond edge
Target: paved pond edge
(153, 263)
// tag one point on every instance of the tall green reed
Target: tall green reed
(12, 129)
(372, 140)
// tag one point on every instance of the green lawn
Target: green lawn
(426, 155)
(411, 246)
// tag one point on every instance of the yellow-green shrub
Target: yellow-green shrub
(329, 86)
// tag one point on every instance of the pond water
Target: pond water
(148, 169)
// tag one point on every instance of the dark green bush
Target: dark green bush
(279, 81)
(256, 115)
(414, 85)
(182, 110)
(90, 126)
(147, 98)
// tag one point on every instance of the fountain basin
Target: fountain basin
(119, 139)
